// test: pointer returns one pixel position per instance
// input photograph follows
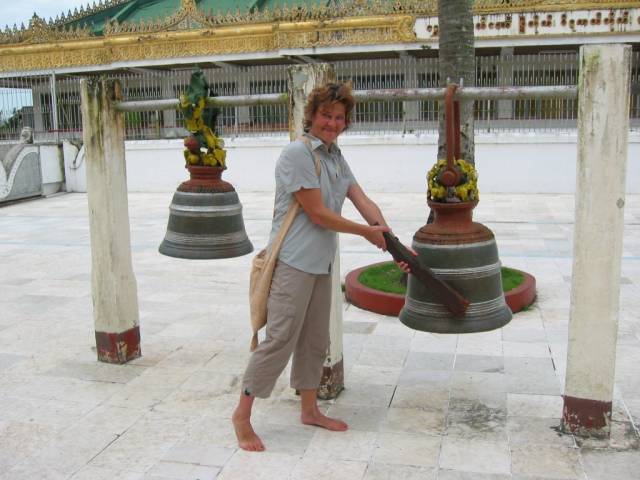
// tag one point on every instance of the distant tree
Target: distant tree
(13, 123)
(456, 56)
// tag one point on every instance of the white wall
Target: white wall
(522, 163)
(74, 170)
(51, 168)
(507, 163)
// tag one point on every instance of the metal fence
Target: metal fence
(51, 105)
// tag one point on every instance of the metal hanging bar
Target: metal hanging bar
(399, 94)
(222, 101)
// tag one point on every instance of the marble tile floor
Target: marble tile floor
(421, 406)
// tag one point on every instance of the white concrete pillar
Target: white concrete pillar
(603, 129)
(169, 116)
(243, 114)
(302, 79)
(114, 289)
(55, 125)
(412, 109)
(505, 79)
(40, 107)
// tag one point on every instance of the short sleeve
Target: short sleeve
(296, 168)
(347, 172)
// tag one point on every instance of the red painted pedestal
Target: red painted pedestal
(391, 303)
(118, 347)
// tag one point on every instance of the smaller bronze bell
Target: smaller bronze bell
(205, 220)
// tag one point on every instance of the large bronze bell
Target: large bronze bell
(464, 254)
(205, 219)
(460, 252)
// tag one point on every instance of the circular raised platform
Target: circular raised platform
(391, 303)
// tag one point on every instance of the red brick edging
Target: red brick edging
(391, 303)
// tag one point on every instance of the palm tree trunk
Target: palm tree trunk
(457, 63)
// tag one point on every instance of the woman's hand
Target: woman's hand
(373, 233)
(404, 266)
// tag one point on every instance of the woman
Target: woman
(300, 296)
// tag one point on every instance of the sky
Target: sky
(17, 12)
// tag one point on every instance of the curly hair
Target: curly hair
(329, 94)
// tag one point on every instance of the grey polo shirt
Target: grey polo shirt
(307, 246)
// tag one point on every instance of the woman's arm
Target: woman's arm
(371, 213)
(367, 207)
(311, 201)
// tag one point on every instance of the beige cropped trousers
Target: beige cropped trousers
(298, 309)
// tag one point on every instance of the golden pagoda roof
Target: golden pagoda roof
(113, 17)
(141, 30)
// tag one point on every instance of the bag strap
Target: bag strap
(316, 157)
(294, 205)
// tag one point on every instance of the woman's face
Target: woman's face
(328, 122)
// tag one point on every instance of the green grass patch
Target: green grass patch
(511, 279)
(386, 278)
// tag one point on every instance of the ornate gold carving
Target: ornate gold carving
(192, 32)
(190, 17)
(187, 17)
(238, 39)
(123, 42)
(40, 31)
(84, 13)
(249, 38)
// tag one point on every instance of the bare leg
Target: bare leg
(241, 418)
(311, 415)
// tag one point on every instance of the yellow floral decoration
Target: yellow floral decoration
(203, 146)
(465, 191)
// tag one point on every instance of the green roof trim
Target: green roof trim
(151, 10)
(132, 11)
(146, 11)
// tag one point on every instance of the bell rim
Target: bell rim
(455, 326)
(170, 249)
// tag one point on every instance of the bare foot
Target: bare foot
(320, 420)
(247, 438)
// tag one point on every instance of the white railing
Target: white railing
(51, 105)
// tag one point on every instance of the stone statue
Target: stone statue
(26, 135)
(9, 164)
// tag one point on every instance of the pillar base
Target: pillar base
(118, 347)
(586, 418)
(332, 382)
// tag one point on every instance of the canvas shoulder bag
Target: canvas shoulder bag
(264, 263)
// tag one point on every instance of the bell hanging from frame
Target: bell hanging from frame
(458, 250)
(205, 219)
(464, 254)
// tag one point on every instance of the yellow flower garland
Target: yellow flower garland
(467, 191)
